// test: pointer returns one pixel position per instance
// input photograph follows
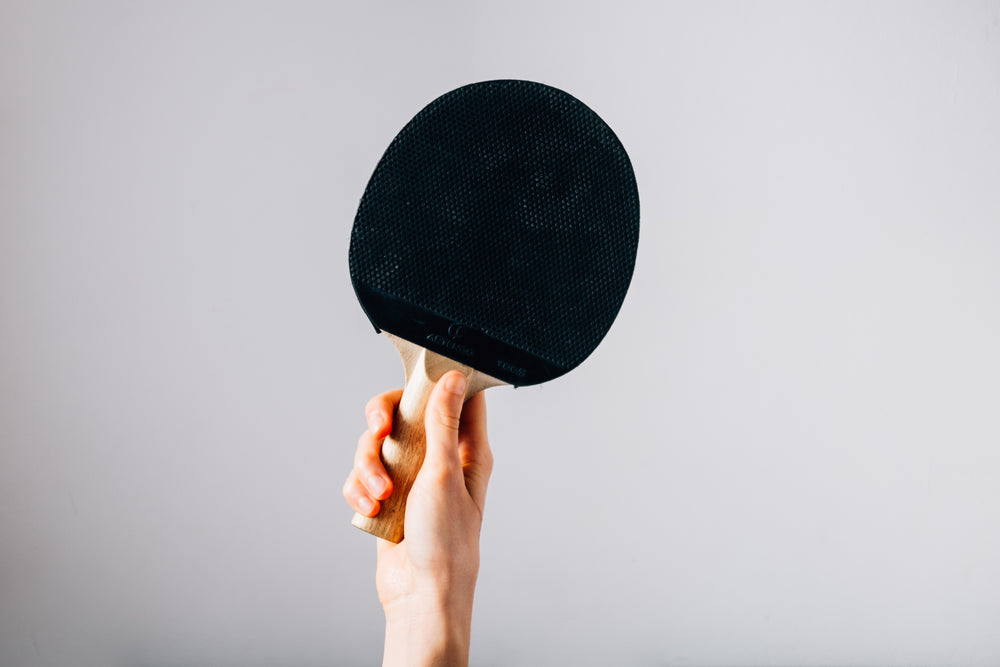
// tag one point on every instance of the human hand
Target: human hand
(426, 582)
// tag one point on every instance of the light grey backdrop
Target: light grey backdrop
(787, 451)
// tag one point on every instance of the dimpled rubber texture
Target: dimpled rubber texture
(508, 207)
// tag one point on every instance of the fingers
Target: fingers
(441, 421)
(379, 411)
(368, 467)
(474, 449)
(368, 482)
(358, 498)
(473, 428)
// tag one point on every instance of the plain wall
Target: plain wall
(787, 450)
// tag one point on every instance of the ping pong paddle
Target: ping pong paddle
(497, 236)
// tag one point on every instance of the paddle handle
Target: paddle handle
(403, 450)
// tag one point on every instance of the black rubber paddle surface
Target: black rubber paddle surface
(500, 230)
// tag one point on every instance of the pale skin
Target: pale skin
(426, 582)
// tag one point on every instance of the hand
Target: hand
(426, 582)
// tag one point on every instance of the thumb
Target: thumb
(441, 421)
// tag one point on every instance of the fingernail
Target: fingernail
(375, 421)
(376, 485)
(366, 505)
(455, 383)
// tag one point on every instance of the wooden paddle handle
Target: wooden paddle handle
(403, 450)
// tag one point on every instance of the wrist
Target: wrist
(419, 632)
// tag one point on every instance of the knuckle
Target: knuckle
(366, 452)
(383, 402)
(349, 486)
(439, 477)
(375, 403)
(447, 419)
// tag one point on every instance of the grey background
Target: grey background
(787, 451)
